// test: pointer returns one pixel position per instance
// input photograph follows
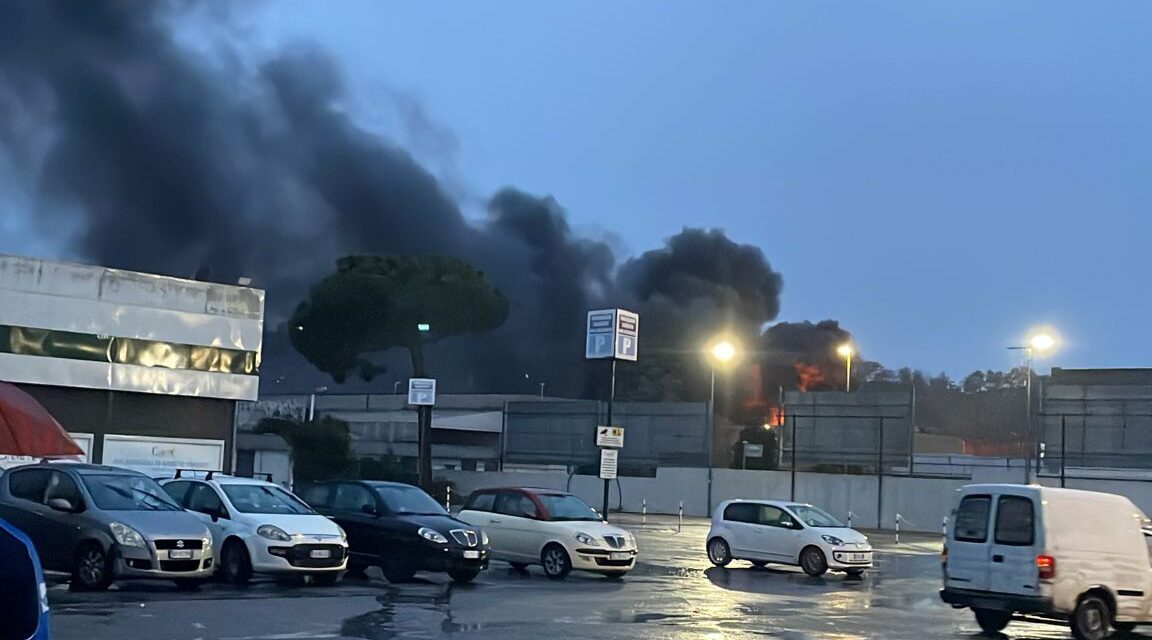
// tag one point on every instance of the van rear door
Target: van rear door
(1013, 548)
(968, 544)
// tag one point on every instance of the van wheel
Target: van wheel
(1090, 620)
(718, 552)
(813, 562)
(991, 620)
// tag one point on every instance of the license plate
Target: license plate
(472, 555)
(619, 555)
(858, 557)
(320, 554)
(180, 554)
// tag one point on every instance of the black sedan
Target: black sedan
(400, 529)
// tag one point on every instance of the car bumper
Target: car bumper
(603, 560)
(849, 558)
(283, 557)
(960, 598)
(137, 562)
(456, 559)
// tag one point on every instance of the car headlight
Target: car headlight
(484, 538)
(431, 535)
(206, 542)
(833, 540)
(127, 536)
(584, 538)
(272, 532)
(343, 534)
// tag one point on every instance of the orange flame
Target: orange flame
(808, 376)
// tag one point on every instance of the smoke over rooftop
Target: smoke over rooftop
(157, 156)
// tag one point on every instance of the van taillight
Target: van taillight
(1046, 566)
(944, 556)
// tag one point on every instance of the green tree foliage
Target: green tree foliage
(321, 450)
(375, 303)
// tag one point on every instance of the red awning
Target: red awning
(27, 429)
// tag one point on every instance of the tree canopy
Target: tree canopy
(375, 303)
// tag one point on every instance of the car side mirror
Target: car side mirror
(369, 509)
(62, 504)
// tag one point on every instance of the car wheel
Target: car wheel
(188, 584)
(325, 578)
(759, 564)
(235, 565)
(813, 562)
(718, 552)
(398, 570)
(557, 564)
(1090, 620)
(93, 570)
(463, 576)
(991, 620)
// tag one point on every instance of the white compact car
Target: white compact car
(786, 533)
(553, 529)
(261, 527)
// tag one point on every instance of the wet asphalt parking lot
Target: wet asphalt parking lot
(674, 593)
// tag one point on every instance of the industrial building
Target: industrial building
(143, 370)
(1099, 418)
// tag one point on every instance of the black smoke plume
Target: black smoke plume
(154, 155)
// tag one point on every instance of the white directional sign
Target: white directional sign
(608, 459)
(611, 437)
(612, 333)
(422, 392)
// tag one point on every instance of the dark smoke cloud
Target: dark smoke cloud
(182, 161)
(796, 355)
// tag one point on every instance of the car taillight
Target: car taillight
(1046, 565)
(944, 556)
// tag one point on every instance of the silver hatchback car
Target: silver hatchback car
(102, 524)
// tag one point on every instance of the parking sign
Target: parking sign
(612, 333)
(422, 392)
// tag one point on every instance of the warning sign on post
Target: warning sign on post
(610, 437)
(608, 458)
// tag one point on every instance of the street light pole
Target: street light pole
(711, 436)
(1041, 342)
(846, 350)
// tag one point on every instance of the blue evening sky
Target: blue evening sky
(939, 176)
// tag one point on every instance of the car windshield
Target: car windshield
(569, 508)
(409, 501)
(122, 492)
(256, 498)
(814, 516)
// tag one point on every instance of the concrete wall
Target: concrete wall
(922, 503)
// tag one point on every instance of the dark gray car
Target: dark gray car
(103, 523)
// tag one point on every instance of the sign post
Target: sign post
(422, 395)
(612, 334)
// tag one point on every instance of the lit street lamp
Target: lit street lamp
(721, 353)
(846, 351)
(1039, 342)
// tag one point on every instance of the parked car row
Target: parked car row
(100, 524)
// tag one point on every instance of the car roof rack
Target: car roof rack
(209, 472)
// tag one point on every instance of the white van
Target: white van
(1058, 554)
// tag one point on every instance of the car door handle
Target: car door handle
(997, 558)
(493, 522)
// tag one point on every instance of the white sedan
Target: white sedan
(553, 529)
(764, 531)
